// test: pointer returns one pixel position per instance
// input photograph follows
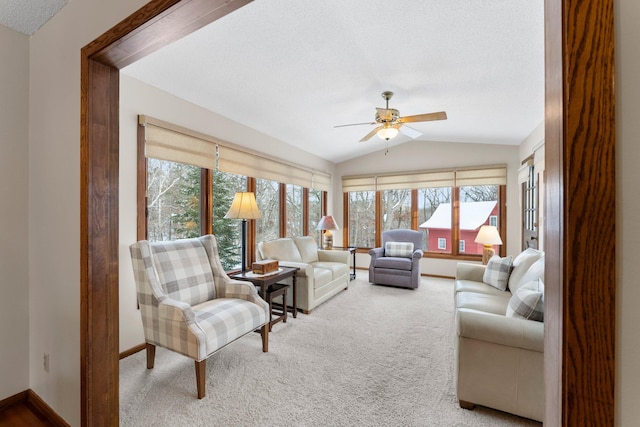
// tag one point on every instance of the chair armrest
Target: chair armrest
(244, 290)
(468, 271)
(417, 254)
(376, 252)
(498, 329)
(334, 256)
(172, 309)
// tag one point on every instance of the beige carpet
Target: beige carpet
(370, 356)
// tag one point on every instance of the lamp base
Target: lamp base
(487, 253)
(327, 241)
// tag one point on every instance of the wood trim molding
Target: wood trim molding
(36, 404)
(580, 278)
(153, 26)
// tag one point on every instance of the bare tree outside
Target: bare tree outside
(268, 199)
(294, 210)
(396, 209)
(362, 219)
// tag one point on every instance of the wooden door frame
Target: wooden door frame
(580, 242)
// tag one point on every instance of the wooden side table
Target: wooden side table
(352, 251)
(270, 288)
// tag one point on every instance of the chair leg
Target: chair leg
(201, 375)
(151, 355)
(264, 331)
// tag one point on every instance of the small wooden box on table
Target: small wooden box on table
(269, 289)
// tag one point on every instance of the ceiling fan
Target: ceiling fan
(390, 122)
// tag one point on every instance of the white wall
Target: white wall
(424, 155)
(139, 98)
(54, 196)
(14, 212)
(627, 14)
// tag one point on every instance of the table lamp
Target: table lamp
(244, 207)
(488, 236)
(326, 224)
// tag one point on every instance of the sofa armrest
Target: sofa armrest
(469, 271)
(333, 256)
(306, 270)
(172, 309)
(498, 329)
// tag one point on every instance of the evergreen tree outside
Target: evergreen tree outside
(228, 232)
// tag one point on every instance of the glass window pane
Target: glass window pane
(268, 199)
(362, 219)
(294, 210)
(396, 209)
(315, 212)
(434, 218)
(478, 206)
(173, 200)
(228, 232)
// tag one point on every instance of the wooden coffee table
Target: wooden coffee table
(269, 287)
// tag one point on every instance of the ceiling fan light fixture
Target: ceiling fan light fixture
(387, 133)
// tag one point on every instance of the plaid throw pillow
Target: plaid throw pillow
(398, 249)
(497, 272)
(528, 302)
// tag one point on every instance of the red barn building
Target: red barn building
(473, 215)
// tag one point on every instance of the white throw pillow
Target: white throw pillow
(521, 264)
(528, 302)
(497, 272)
(398, 249)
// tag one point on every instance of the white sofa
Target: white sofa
(498, 357)
(322, 274)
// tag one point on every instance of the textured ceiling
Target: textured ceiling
(26, 16)
(294, 69)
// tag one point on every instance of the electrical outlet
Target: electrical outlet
(46, 362)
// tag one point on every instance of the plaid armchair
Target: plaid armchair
(397, 262)
(189, 305)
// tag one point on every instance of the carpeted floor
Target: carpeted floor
(370, 356)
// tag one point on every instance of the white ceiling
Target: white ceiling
(26, 16)
(293, 69)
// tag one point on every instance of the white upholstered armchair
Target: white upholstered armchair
(189, 305)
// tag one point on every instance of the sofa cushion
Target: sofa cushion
(321, 276)
(521, 264)
(337, 269)
(307, 247)
(496, 304)
(398, 249)
(281, 249)
(528, 302)
(394, 263)
(497, 272)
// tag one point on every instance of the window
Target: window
(268, 200)
(173, 200)
(315, 211)
(362, 219)
(448, 206)
(294, 210)
(396, 209)
(442, 243)
(191, 180)
(434, 227)
(228, 232)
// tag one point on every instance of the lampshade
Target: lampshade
(244, 206)
(387, 132)
(488, 235)
(327, 222)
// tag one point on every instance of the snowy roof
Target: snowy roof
(472, 215)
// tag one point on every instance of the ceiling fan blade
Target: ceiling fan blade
(441, 115)
(370, 134)
(384, 114)
(409, 131)
(355, 124)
